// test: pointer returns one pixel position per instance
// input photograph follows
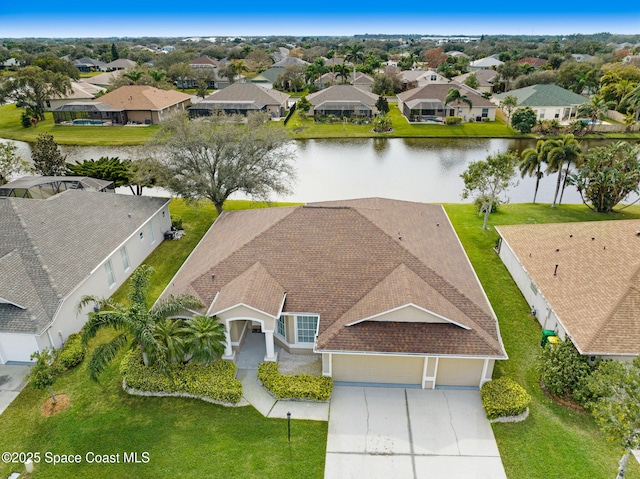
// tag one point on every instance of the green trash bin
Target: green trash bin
(546, 333)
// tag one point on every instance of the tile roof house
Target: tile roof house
(381, 289)
(53, 251)
(242, 98)
(132, 104)
(343, 100)
(427, 104)
(547, 100)
(581, 279)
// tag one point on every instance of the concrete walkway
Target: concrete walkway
(410, 433)
(248, 359)
(11, 383)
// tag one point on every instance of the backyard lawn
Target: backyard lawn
(554, 442)
(188, 438)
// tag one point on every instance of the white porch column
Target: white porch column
(229, 353)
(268, 340)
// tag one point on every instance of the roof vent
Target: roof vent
(557, 249)
(570, 236)
(637, 233)
(592, 238)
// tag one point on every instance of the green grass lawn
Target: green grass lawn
(554, 442)
(188, 438)
(11, 128)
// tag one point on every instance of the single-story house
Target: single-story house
(427, 104)
(53, 251)
(132, 104)
(485, 64)
(580, 280)
(86, 65)
(242, 98)
(549, 101)
(381, 289)
(79, 92)
(205, 62)
(487, 79)
(11, 63)
(267, 78)
(362, 81)
(418, 78)
(119, 64)
(43, 187)
(343, 101)
(104, 79)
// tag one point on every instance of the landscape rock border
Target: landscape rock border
(138, 392)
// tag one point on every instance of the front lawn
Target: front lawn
(184, 438)
(554, 442)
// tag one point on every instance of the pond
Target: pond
(413, 169)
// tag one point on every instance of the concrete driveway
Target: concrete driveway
(11, 383)
(410, 433)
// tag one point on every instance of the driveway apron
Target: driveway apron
(410, 433)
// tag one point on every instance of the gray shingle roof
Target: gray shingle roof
(342, 93)
(544, 95)
(439, 92)
(58, 242)
(248, 92)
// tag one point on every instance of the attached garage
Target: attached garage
(459, 372)
(17, 347)
(359, 368)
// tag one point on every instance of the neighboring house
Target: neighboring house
(205, 62)
(58, 249)
(484, 64)
(581, 57)
(381, 289)
(418, 78)
(363, 82)
(427, 104)
(343, 101)
(79, 92)
(456, 54)
(42, 187)
(267, 78)
(486, 78)
(167, 49)
(11, 63)
(104, 79)
(119, 64)
(132, 104)
(288, 61)
(548, 101)
(86, 65)
(536, 63)
(242, 98)
(580, 280)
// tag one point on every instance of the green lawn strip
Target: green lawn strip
(554, 442)
(11, 128)
(184, 437)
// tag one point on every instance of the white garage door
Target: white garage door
(17, 347)
(459, 372)
(377, 369)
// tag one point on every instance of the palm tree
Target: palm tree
(342, 70)
(136, 321)
(157, 76)
(564, 150)
(596, 109)
(133, 75)
(355, 55)
(531, 163)
(453, 96)
(205, 338)
(170, 334)
(633, 100)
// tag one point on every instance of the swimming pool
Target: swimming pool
(87, 122)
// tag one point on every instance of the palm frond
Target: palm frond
(103, 354)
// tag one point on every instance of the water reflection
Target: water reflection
(413, 169)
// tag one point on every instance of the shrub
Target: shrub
(301, 386)
(72, 353)
(381, 124)
(26, 120)
(481, 201)
(176, 222)
(215, 381)
(453, 120)
(564, 371)
(504, 397)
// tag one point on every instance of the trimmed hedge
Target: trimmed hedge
(301, 386)
(72, 353)
(215, 381)
(504, 397)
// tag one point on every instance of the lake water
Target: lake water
(415, 169)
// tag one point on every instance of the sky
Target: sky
(205, 18)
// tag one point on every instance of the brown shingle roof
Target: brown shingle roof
(341, 93)
(142, 97)
(439, 91)
(335, 259)
(595, 293)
